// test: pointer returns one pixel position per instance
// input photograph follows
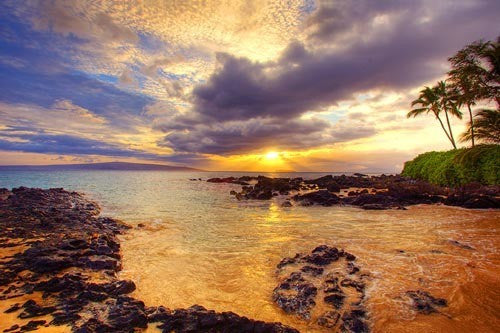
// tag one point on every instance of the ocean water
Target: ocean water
(202, 246)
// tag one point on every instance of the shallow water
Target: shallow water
(201, 246)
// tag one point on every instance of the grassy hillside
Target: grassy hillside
(457, 167)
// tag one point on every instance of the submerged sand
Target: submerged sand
(230, 264)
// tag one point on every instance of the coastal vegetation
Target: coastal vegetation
(474, 79)
(457, 166)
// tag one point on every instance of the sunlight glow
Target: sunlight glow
(272, 155)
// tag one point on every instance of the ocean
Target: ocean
(199, 245)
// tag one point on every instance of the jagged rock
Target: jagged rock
(397, 193)
(32, 309)
(329, 319)
(321, 197)
(198, 319)
(331, 273)
(353, 321)
(315, 271)
(475, 201)
(32, 325)
(295, 295)
(424, 302)
(335, 299)
(12, 328)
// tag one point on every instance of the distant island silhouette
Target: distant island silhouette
(98, 166)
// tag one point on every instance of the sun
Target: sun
(272, 155)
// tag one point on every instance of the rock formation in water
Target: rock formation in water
(63, 262)
(371, 192)
(325, 286)
(424, 302)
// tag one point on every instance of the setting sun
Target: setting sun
(272, 155)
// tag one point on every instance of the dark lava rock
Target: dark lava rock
(288, 261)
(198, 319)
(396, 191)
(229, 180)
(126, 313)
(353, 321)
(321, 197)
(424, 302)
(335, 299)
(352, 268)
(295, 295)
(333, 187)
(327, 182)
(315, 271)
(48, 264)
(331, 274)
(32, 309)
(322, 255)
(374, 207)
(357, 174)
(221, 180)
(12, 328)
(32, 325)
(13, 308)
(64, 230)
(329, 319)
(267, 187)
(372, 201)
(473, 201)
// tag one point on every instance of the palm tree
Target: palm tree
(475, 76)
(487, 126)
(465, 92)
(429, 102)
(448, 104)
(491, 54)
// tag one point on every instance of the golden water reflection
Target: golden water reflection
(228, 263)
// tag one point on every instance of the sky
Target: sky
(228, 85)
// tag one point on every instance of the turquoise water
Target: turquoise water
(202, 246)
(136, 195)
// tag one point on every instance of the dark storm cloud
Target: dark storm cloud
(407, 51)
(352, 47)
(335, 19)
(252, 135)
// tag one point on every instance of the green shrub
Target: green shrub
(457, 167)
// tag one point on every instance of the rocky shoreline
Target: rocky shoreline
(367, 192)
(59, 268)
(59, 261)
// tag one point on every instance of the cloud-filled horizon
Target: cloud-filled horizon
(324, 85)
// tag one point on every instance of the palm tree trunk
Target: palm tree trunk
(471, 124)
(449, 127)
(444, 129)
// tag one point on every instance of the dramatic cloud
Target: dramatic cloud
(237, 137)
(201, 81)
(406, 47)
